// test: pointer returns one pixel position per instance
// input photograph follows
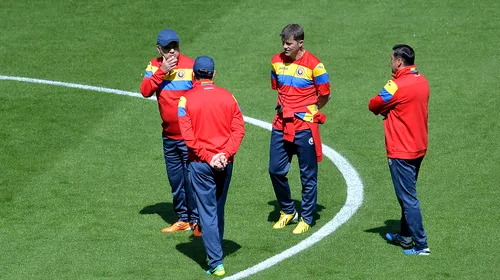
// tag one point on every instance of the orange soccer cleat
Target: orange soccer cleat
(177, 226)
(196, 230)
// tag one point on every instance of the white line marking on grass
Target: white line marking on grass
(56, 83)
(351, 176)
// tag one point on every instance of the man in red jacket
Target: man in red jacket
(303, 87)
(170, 76)
(404, 104)
(212, 126)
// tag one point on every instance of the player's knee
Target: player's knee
(276, 171)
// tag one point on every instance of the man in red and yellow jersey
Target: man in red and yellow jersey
(404, 104)
(169, 76)
(303, 88)
(212, 126)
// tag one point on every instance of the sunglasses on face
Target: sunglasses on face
(172, 46)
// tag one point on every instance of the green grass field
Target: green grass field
(83, 189)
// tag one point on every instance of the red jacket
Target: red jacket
(210, 121)
(169, 87)
(299, 83)
(404, 103)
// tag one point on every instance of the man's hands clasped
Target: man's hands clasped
(218, 162)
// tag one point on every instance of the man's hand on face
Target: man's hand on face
(168, 63)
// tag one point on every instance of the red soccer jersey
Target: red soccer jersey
(404, 103)
(210, 121)
(169, 87)
(299, 83)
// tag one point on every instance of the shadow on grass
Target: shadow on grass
(164, 209)
(274, 215)
(195, 250)
(389, 226)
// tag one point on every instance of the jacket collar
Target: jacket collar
(203, 82)
(406, 70)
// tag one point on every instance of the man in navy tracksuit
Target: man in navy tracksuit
(212, 126)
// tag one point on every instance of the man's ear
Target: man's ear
(301, 42)
(400, 63)
(215, 72)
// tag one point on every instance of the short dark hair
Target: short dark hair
(404, 52)
(294, 30)
(203, 74)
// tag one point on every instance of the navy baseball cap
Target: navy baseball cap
(204, 65)
(166, 37)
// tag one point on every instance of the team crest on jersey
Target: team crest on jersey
(300, 71)
(311, 141)
(181, 74)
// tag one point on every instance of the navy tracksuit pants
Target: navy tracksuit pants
(404, 173)
(175, 153)
(281, 153)
(211, 188)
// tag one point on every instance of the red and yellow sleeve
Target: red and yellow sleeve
(321, 80)
(274, 78)
(153, 77)
(385, 100)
